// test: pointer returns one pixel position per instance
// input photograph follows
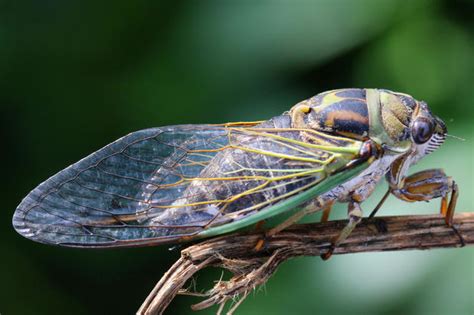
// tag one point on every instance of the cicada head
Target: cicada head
(427, 131)
(405, 128)
(409, 124)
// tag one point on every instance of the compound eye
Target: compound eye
(422, 130)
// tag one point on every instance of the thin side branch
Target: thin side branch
(251, 268)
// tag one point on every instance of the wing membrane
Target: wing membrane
(165, 184)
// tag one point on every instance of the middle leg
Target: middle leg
(355, 214)
(311, 207)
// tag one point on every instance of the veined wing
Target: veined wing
(172, 183)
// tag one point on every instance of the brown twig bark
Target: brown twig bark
(251, 268)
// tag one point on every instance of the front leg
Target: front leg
(427, 185)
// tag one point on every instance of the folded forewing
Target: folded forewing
(112, 186)
(165, 184)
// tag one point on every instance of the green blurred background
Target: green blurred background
(75, 75)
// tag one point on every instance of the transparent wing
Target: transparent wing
(168, 184)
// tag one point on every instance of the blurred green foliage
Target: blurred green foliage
(75, 75)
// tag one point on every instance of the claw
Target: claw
(260, 245)
(452, 205)
(329, 253)
(380, 225)
(355, 215)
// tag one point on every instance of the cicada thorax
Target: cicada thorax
(340, 112)
(357, 113)
(396, 110)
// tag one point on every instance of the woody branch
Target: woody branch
(251, 268)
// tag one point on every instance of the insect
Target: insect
(186, 182)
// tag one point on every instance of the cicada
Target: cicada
(187, 182)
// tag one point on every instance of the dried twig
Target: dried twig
(251, 268)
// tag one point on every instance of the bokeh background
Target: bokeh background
(75, 75)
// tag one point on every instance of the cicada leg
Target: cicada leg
(447, 210)
(379, 205)
(427, 185)
(326, 212)
(261, 241)
(354, 212)
(311, 207)
(430, 184)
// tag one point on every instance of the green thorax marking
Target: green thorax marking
(377, 131)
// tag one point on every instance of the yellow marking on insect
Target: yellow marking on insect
(330, 99)
(278, 155)
(346, 115)
(253, 190)
(294, 174)
(295, 148)
(202, 155)
(273, 179)
(255, 177)
(350, 134)
(318, 139)
(182, 180)
(248, 191)
(294, 170)
(351, 149)
(268, 153)
(306, 130)
(283, 184)
(193, 163)
(283, 156)
(242, 123)
(263, 152)
(198, 203)
(240, 212)
(259, 188)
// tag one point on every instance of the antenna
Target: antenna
(455, 137)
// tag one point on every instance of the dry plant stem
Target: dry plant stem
(236, 252)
